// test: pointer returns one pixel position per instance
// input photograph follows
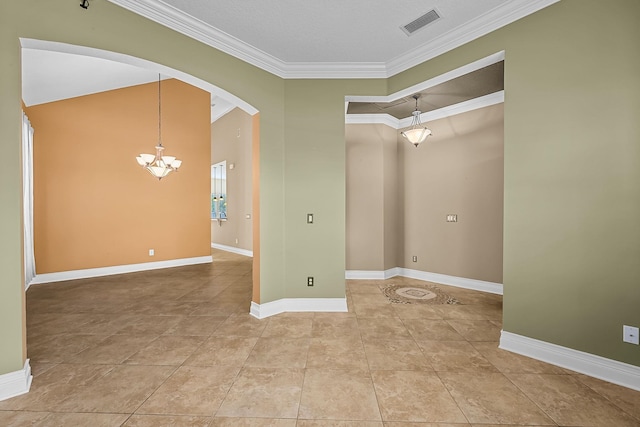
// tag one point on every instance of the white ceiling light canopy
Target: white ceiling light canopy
(417, 133)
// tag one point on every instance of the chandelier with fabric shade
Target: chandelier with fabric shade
(417, 133)
(158, 164)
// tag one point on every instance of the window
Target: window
(219, 191)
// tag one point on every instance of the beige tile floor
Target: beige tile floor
(177, 347)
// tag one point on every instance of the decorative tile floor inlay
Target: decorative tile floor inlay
(417, 294)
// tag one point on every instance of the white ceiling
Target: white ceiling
(290, 38)
(332, 38)
(332, 30)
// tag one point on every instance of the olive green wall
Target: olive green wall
(572, 161)
(289, 252)
(12, 339)
(315, 183)
(572, 171)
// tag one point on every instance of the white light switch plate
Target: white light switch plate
(630, 334)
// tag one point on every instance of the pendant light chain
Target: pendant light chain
(159, 111)
(159, 165)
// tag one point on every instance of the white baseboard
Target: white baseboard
(443, 279)
(372, 274)
(460, 282)
(232, 249)
(117, 269)
(589, 364)
(285, 305)
(16, 383)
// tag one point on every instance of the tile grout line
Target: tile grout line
(373, 386)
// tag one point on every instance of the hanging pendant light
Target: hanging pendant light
(418, 133)
(159, 165)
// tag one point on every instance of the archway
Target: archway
(213, 90)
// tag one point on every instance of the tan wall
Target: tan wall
(94, 206)
(391, 200)
(372, 211)
(365, 207)
(398, 197)
(458, 170)
(231, 140)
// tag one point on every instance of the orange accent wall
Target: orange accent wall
(255, 159)
(94, 206)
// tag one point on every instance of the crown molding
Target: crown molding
(442, 78)
(459, 108)
(484, 24)
(334, 70)
(429, 116)
(179, 21)
(369, 119)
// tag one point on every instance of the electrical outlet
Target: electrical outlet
(310, 281)
(415, 258)
(452, 218)
(152, 252)
(630, 334)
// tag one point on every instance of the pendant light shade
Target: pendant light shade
(159, 165)
(417, 133)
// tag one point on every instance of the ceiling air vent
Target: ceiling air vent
(420, 22)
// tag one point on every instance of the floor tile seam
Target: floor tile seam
(497, 369)
(78, 412)
(370, 376)
(194, 351)
(577, 377)
(113, 366)
(524, 393)
(155, 390)
(169, 414)
(235, 378)
(304, 377)
(485, 357)
(306, 362)
(442, 382)
(415, 341)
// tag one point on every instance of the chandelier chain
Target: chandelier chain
(159, 112)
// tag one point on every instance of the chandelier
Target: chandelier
(158, 164)
(418, 133)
